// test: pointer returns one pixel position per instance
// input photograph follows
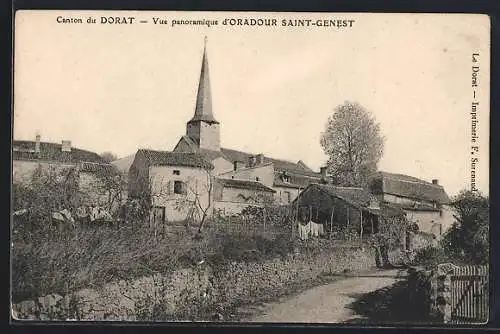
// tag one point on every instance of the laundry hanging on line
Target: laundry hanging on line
(311, 228)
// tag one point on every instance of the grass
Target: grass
(93, 256)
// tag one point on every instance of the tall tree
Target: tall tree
(468, 239)
(353, 143)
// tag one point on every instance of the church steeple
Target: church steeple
(203, 128)
(203, 110)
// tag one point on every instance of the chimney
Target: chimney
(237, 165)
(259, 159)
(37, 143)
(325, 179)
(435, 181)
(66, 146)
(251, 161)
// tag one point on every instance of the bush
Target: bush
(468, 239)
(429, 256)
(92, 257)
(249, 248)
(272, 214)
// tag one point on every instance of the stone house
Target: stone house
(171, 182)
(28, 156)
(178, 184)
(231, 196)
(425, 203)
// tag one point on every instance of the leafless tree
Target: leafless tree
(353, 143)
(198, 209)
(108, 185)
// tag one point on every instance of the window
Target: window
(180, 188)
(288, 197)
(285, 177)
(257, 179)
(177, 172)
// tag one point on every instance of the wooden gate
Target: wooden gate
(469, 295)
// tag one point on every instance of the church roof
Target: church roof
(166, 158)
(203, 110)
(211, 154)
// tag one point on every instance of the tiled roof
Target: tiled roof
(357, 197)
(165, 158)
(300, 175)
(296, 181)
(190, 142)
(244, 184)
(408, 186)
(25, 150)
(292, 167)
(92, 167)
(233, 155)
(211, 155)
(279, 164)
(301, 164)
(416, 207)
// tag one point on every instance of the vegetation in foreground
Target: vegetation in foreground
(467, 241)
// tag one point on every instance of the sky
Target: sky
(122, 87)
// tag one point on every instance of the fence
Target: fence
(469, 295)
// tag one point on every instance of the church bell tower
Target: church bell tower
(203, 129)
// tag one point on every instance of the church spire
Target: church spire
(203, 111)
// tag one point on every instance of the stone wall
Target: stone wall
(429, 291)
(190, 291)
(422, 292)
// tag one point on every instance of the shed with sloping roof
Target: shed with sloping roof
(345, 212)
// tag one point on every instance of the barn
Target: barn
(344, 212)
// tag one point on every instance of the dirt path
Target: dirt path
(328, 303)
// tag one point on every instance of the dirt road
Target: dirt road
(329, 303)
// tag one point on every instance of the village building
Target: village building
(354, 214)
(28, 156)
(425, 203)
(235, 179)
(344, 212)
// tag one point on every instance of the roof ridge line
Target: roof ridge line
(417, 182)
(334, 186)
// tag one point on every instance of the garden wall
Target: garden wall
(429, 291)
(187, 293)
